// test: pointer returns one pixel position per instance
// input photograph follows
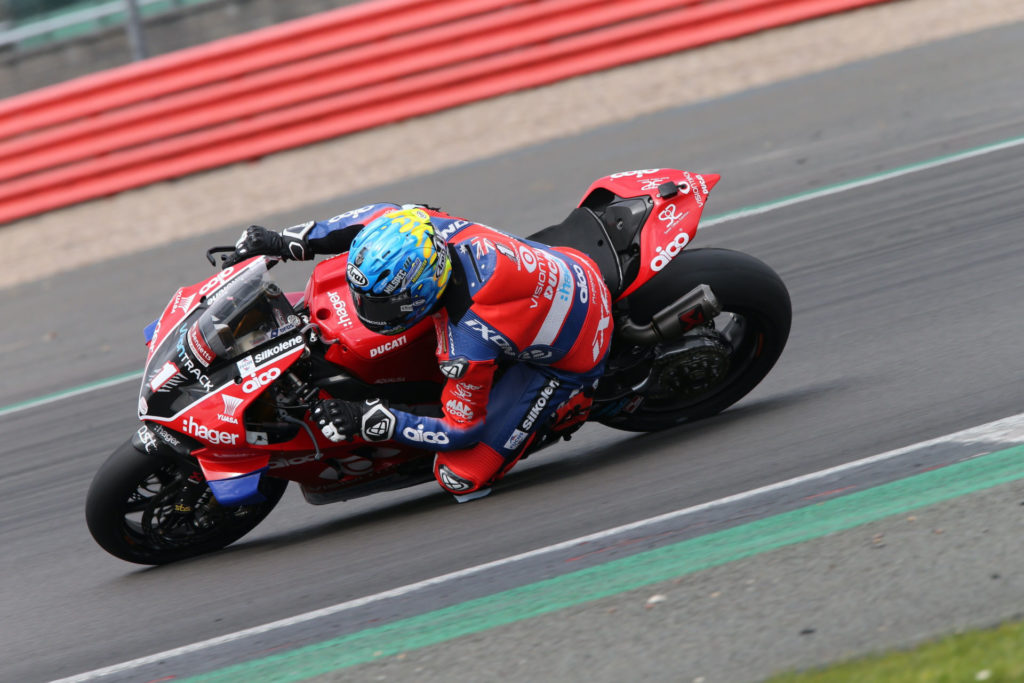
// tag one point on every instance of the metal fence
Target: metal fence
(76, 19)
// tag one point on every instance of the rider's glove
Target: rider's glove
(340, 420)
(257, 240)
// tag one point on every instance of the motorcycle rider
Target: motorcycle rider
(523, 330)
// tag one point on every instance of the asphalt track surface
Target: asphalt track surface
(907, 319)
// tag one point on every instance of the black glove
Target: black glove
(257, 240)
(340, 420)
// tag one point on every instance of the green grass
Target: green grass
(994, 655)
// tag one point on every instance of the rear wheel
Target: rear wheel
(154, 509)
(712, 366)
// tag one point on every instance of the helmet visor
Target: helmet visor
(389, 314)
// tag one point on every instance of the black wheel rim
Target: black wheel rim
(174, 509)
(744, 338)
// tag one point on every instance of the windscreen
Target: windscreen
(248, 312)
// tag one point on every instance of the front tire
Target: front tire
(752, 329)
(156, 508)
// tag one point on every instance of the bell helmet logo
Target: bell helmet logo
(356, 277)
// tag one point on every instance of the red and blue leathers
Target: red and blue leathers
(522, 332)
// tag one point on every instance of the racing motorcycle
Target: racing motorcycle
(235, 364)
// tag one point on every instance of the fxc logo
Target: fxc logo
(489, 335)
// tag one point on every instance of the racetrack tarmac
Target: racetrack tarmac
(907, 300)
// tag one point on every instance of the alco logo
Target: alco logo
(257, 382)
(217, 281)
(668, 253)
(420, 436)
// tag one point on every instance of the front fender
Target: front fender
(234, 479)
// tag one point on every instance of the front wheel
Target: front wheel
(713, 366)
(155, 508)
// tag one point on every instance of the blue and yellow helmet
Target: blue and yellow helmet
(398, 268)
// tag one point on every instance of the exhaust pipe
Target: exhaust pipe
(695, 308)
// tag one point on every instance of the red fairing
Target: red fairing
(216, 419)
(188, 298)
(672, 223)
(372, 357)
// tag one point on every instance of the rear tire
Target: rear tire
(155, 508)
(755, 301)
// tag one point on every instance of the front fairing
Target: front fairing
(216, 347)
(231, 415)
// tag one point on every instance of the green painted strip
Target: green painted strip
(633, 572)
(68, 393)
(872, 179)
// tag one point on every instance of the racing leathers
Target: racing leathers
(522, 334)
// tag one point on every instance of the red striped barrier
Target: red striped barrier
(331, 74)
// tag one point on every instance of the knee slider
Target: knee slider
(467, 470)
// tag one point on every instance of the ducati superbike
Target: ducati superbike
(234, 365)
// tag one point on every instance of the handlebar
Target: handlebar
(218, 250)
(225, 260)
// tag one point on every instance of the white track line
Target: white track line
(863, 182)
(1000, 432)
(725, 218)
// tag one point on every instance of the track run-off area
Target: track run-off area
(865, 496)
